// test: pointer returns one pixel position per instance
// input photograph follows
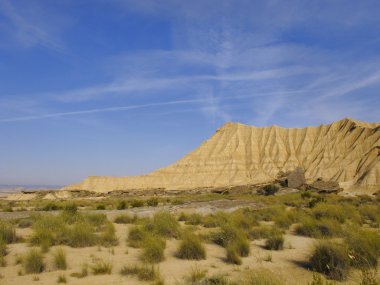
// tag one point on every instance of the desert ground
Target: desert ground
(222, 224)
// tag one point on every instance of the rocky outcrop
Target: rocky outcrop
(346, 151)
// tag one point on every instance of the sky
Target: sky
(123, 87)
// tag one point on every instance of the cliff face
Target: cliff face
(345, 151)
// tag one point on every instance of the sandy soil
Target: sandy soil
(288, 263)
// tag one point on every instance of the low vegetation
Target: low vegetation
(191, 247)
(101, 267)
(125, 219)
(142, 272)
(73, 229)
(275, 242)
(60, 259)
(153, 249)
(33, 261)
(331, 259)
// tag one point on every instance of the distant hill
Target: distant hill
(11, 188)
(346, 151)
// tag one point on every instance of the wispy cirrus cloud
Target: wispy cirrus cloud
(28, 30)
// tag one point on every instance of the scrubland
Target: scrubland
(295, 238)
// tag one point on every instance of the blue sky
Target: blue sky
(113, 87)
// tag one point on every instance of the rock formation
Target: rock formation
(346, 151)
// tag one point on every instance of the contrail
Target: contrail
(140, 106)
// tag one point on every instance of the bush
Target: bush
(152, 202)
(165, 224)
(100, 207)
(215, 220)
(232, 255)
(270, 189)
(263, 277)
(3, 252)
(51, 206)
(319, 228)
(275, 242)
(122, 205)
(143, 273)
(370, 214)
(262, 232)
(331, 259)
(194, 219)
(227, 235)
(364, 246)
(60, 259)
(61, 279)
(81, 235)
(137, 203)
(71, 208)
(136, 236)
(108, 235)
(33, 261)
(153, 250)
(25, 223)
(101, 267)
(336, 212)
(191, 248)
(125, 219)
(7, 232)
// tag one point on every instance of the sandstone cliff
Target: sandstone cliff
(345, 151)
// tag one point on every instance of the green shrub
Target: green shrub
(215, 220)
(270, 189)
(136, 236)
(152, 202)
(101, 267)
(285, 220)
(122, 205)
(242, 246)
(108, 235)
(33, 261)
(370, 214)
(137, 203)
(25, 223)
(165, 224)
(100, 207)
(243, 219)
(331, 259)
(153, 249)
(143, 272)
(262, 232)
(226, 235)
(7, 232)
(364, 247)
(232, 255)
(71, 208)
(81, 235)
(196, 275)
(319, 228)
(50, 206)
(275, 242)
(336, 212)
(194, 219)
(60, 259)
(62, 279)
(96, 220)
(263, 277)
(3, 252)
(191, 247)
(125, 219)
